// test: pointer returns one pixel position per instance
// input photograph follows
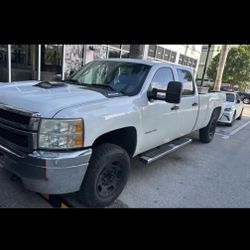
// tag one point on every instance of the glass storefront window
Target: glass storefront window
(100, 52)
(126, 47)
(118, 46)
(125, 54)
(114, 53)
(152, 50)
(159, 53)
(3, 63)
(23, 62)
(51, 62)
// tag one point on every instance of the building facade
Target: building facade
(56, 61)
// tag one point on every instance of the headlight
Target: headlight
(60, 134)
(228, 109)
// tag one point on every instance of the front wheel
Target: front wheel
(207, 133)
(106, 176)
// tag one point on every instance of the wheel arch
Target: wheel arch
(124, 137)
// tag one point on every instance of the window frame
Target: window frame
(164, 67)
(194, 92)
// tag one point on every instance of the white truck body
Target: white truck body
(154, 121)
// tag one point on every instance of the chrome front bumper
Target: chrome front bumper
(48, 172)
(226, 117)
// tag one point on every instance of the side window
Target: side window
(161, 78)
(188, 84)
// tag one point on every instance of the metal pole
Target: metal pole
(39, 63)
(63, 62)
(9, 62)
(205, 66)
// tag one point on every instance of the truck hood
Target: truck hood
(26, 96)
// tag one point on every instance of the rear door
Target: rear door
(189, 105)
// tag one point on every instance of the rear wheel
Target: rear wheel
(246, 100)
(207, 133)
(106, 176)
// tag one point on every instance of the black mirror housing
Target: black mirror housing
(173, 93)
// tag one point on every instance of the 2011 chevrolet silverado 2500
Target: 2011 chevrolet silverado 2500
(78, 135)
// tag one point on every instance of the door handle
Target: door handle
(195, 104)
(175, 107)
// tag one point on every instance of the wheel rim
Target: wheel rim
(246, 101)
(212, 129)
(109, 180)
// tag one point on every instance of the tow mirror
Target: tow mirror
(171, 95)
(174, 91)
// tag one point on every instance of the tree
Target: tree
(237, 69)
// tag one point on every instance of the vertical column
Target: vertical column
(9, 62)
(63, 62)
(39, 63)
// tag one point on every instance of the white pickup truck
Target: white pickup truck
(80, 134)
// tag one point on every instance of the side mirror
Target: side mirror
(171, 95)
(174, 91)
(238, 101)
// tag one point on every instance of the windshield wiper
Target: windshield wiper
(106, 86)
(72, 81)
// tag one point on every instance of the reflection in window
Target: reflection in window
(186, 78)
(125, 54)
(3, 63)
(152, 50)
(114, 53)
(161, 78)
(159, 53)
(118, 46)
(23, 62)
(126, 47)
(51, 62)
(100, 52)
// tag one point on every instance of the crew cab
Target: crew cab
(79, 135)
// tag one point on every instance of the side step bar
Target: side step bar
(156, 153)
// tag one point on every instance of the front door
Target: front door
(159, 122)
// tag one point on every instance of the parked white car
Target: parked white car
(233, 109)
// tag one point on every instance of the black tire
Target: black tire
(246, 100)
(239, 118)
(207, 133)
(106, 176)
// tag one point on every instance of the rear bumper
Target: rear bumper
(48, 172)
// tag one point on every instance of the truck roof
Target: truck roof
(146, 62)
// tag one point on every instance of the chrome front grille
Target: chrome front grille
(19, 118)
(18, 128)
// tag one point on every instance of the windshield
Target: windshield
(123, 77)
(230, 97)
